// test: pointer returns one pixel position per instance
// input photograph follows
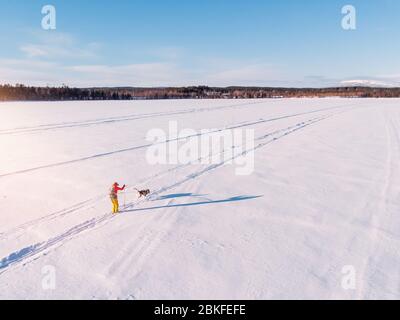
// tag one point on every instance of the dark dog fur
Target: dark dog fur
(143, 193)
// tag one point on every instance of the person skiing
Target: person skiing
(114, 196)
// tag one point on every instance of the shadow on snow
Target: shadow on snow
(191, 204)
(30, 251)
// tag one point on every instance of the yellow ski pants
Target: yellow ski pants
(115, 205)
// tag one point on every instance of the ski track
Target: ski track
(374, 219)
(136, 253)
(379, 215)
(139, 147)
(134, 148)
(23, 256)
(84, 204)
(112, 120)
(58, 214)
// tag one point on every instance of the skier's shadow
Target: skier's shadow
(191, 204)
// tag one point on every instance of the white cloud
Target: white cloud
(56, 45)
(146, 74)
(34, 51)
(28, 72)
(40, 73)
(250, 75)
(54, 58)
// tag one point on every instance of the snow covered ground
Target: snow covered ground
(322, 205)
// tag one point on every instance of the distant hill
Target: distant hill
(26, 93)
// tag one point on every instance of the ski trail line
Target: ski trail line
(84, 204)
(139, 147)
(23, 255)
(377, 232)
(111, 120)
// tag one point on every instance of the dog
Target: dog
(143, 193)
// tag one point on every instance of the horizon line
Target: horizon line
(202, 86)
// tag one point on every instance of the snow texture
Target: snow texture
(324, 195)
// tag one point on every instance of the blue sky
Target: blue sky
(203, 42)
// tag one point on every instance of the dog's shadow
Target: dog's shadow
(191, 204)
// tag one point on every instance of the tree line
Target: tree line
(21, 92)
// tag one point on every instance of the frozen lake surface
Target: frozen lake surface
(319, 218)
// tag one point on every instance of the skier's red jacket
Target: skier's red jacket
(114, 191)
